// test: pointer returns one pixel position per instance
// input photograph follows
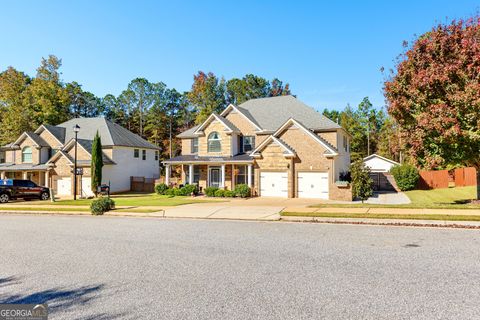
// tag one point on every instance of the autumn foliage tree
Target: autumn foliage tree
(434, 96)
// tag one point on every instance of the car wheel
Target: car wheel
(4, 198)
(44, 196)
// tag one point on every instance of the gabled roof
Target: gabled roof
(332, 151)
(243, 112)
(37, 140)
(288, 152)
(57, 132)
(188, 133)
(226, 123)
(271, 113)
(380, 157)
(111, 133)
(85, 145)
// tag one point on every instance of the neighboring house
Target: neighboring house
(380, 172)
(46, 156)
(378, 163)
(279, 146)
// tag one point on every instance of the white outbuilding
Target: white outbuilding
(378, 163)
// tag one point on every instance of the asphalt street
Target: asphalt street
(151, 268)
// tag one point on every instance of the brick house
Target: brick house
(279, 146)
(46, 156)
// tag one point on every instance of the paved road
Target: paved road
(110, 267)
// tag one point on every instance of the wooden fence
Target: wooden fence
(433, 179)
(437, 179)
(465, 177)
(142, 184)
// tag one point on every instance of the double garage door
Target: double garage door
(309, 184)
(64, 186)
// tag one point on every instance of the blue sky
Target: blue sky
(330, 52)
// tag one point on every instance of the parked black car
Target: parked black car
(11, 189)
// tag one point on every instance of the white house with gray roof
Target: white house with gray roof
(46, 156)
(279, 146)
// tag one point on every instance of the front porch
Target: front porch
(215, 174)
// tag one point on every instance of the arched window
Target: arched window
(214, 142)
(27, 154)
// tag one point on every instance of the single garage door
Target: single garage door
(64, 186)
(87, 187)
(313, 185)
(274, 184)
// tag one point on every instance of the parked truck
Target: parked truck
(11, 189)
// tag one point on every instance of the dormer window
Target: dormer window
(214, 142)
(27, 155)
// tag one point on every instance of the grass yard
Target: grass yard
(450, 198)
(133, 200)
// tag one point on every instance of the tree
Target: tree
(50, 99)
(207, 95)
(278, 89)
(249, 87)
(434, 96)
(83, 103)
(97, 163)
(16, 114)
(361, 181)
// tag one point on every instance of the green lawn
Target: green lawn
(384, 216)
(133, 200)
(450, 198)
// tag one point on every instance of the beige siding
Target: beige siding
(225, 140)
(186, 146)
(331, 137)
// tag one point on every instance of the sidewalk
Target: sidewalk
(463, 212)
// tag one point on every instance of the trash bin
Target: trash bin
(104, 189)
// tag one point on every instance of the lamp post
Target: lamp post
(76, 129)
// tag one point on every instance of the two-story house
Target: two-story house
(279, 146)
(47, 155)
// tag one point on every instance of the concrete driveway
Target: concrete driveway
(224, 211)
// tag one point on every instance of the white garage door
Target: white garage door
(87, 187)
(64, 186)
(274, 184)
(313, 185)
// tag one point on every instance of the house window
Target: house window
(196, 174)
(214, 142)
(27, 154)
(2, 157)
(156, 155)
(144, 154)
(247, 143)
(194, 146)
(136, 153)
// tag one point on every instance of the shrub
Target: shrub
(189, 189)
(101, 205)
(178, 192)
(170, 192)
(210, 191)
(242, 190)
(361, 181)
(229, 194)
(161, 188)
(220, 193)
(406, 176)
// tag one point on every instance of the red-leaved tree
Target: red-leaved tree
(434, 96)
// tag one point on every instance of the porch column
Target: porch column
(24, 176)
(2, 175)
(167, 174)
(190, 174)
(249, 175)
(47, 179)
(222, 178)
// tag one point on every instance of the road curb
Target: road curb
(387, 222)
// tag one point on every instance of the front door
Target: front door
(214, 177)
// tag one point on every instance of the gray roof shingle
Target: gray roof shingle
(271, 113)
(111, 133)
(194, 158)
